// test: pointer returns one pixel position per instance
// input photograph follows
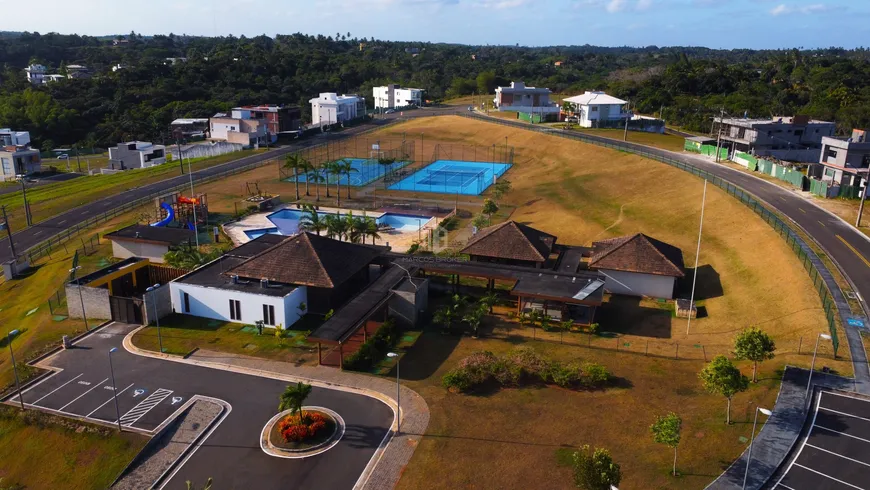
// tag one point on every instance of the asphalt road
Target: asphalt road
(836, 452)
(152, 390)
(39, 232)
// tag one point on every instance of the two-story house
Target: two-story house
(136, 154)
(795, 139)
(16, 155)
(392, 97)
(843, 161)
(240, 126)
(520, 98)
(598, 110)
(331, 108)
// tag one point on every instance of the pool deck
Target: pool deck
(398, 240)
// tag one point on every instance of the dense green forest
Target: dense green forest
(689, 84)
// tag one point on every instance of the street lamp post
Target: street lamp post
(398, 403)
(751, 440)
(5, 225)
(813, 365)
(9, 337)
(81, 298)
(156, 316)
(115, 388)
(195, 204)
(27, 217)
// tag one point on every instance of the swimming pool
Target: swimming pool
(453, 177)
(287, 222)
(365, 171)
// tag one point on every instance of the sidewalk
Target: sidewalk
(385, 468)
(776, 438)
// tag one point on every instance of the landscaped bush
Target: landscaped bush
(298, 429)
(373, 350)
(522, 366)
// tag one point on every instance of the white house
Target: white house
(598, 110)
(136, 154)
(392, 97)
(520, 98)
(16, 155)
(638, 265)
(331, 108)
(35, 74)
(275, 279)
(240, 126)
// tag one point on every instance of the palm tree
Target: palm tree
(474, 317)
(306, 167)
(336, 226)
(346, 168)
(333, 168)
(311, 220)
(315, 174)
(294, 162)
(489, 299)
(372, 229)
(293, 398)
(358, 229)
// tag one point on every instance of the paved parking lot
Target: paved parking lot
(143, 406)
(836, 453)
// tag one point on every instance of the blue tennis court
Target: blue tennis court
(364, 172)
(453, 177)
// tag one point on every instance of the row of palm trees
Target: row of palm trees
(319, 174)
(355, 229)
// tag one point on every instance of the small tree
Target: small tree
(666, 430)
(595, 470)
(474, 317)
(489, 300)
(721, 377)
(445, 316)
(480, 221)
(294, 397)
(502, 187)
(754, 345)
(489, 208)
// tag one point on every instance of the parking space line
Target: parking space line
(838, 455)
(96, 385)
(842, 433)
(59, 387)
(844, 413)
(841, 395)
(827, 476)
(107, 401)
(144, 407)
(785, 486)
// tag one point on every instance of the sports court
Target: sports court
(453, 177)
(143, 405)
(836, 452)
(364, 171)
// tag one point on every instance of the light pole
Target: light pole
(697, 255)
(156, 316)
(9, 337)
(195, 203)
(751, 440)
(398, 404)
(5, 225)
(813, 365)
(115, 388)
(27, 217)
(81, 298)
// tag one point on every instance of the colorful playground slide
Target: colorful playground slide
(170, 215)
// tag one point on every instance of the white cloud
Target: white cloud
(615, 6)
(500, 4)
(815, 8)
(780, 9)
(644, 4)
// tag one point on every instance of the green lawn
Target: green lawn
(52, 199)
(181, 334)
(41, 454)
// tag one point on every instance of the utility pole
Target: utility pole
(719, 133)
(5, 224)
(180, 158)
(625, 133)
(27, 216)
(78, 160)
(861, 206)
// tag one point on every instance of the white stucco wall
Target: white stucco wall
(152, 251)
(636, 284)
(214, 303)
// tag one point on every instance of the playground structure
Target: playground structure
(184, 211)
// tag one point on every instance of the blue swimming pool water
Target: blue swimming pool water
(366, 171)
(287, 222)
(453, 177)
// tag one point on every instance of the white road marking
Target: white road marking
(144, 407)
(837, 454)
(85, 393)
(59, 387)
(828, 476)
(37, 233)
(798, 455)
(844, 413)
(843, 433)
(786, 486)
(61, 222)
(107, 401)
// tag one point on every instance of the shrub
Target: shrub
(506, 373)
(565, 375)
(530, 363)
(413, 249)
(594, 329)
(375, 348)
(595, 375)
(458, 380)
(294, 429)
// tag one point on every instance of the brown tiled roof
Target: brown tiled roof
(637, 253)
(511, 240)
(309, 260)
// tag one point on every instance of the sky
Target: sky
(712, 23)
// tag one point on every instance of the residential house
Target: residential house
(35, 74)
(392, 97)
(76, 72)
(151, 242)
(276, 279)
(843, 161)
(53, 78)
(795, 139)
(331, 108)
(174, 61)
(598, 110)
(190, 127)
(520, 98)
(638, 265)
(511, 243)
(16, 155)
(240, 126)
(118, 67)
(279, 118)
(136, 154)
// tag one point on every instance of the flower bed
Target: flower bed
(314, 429)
